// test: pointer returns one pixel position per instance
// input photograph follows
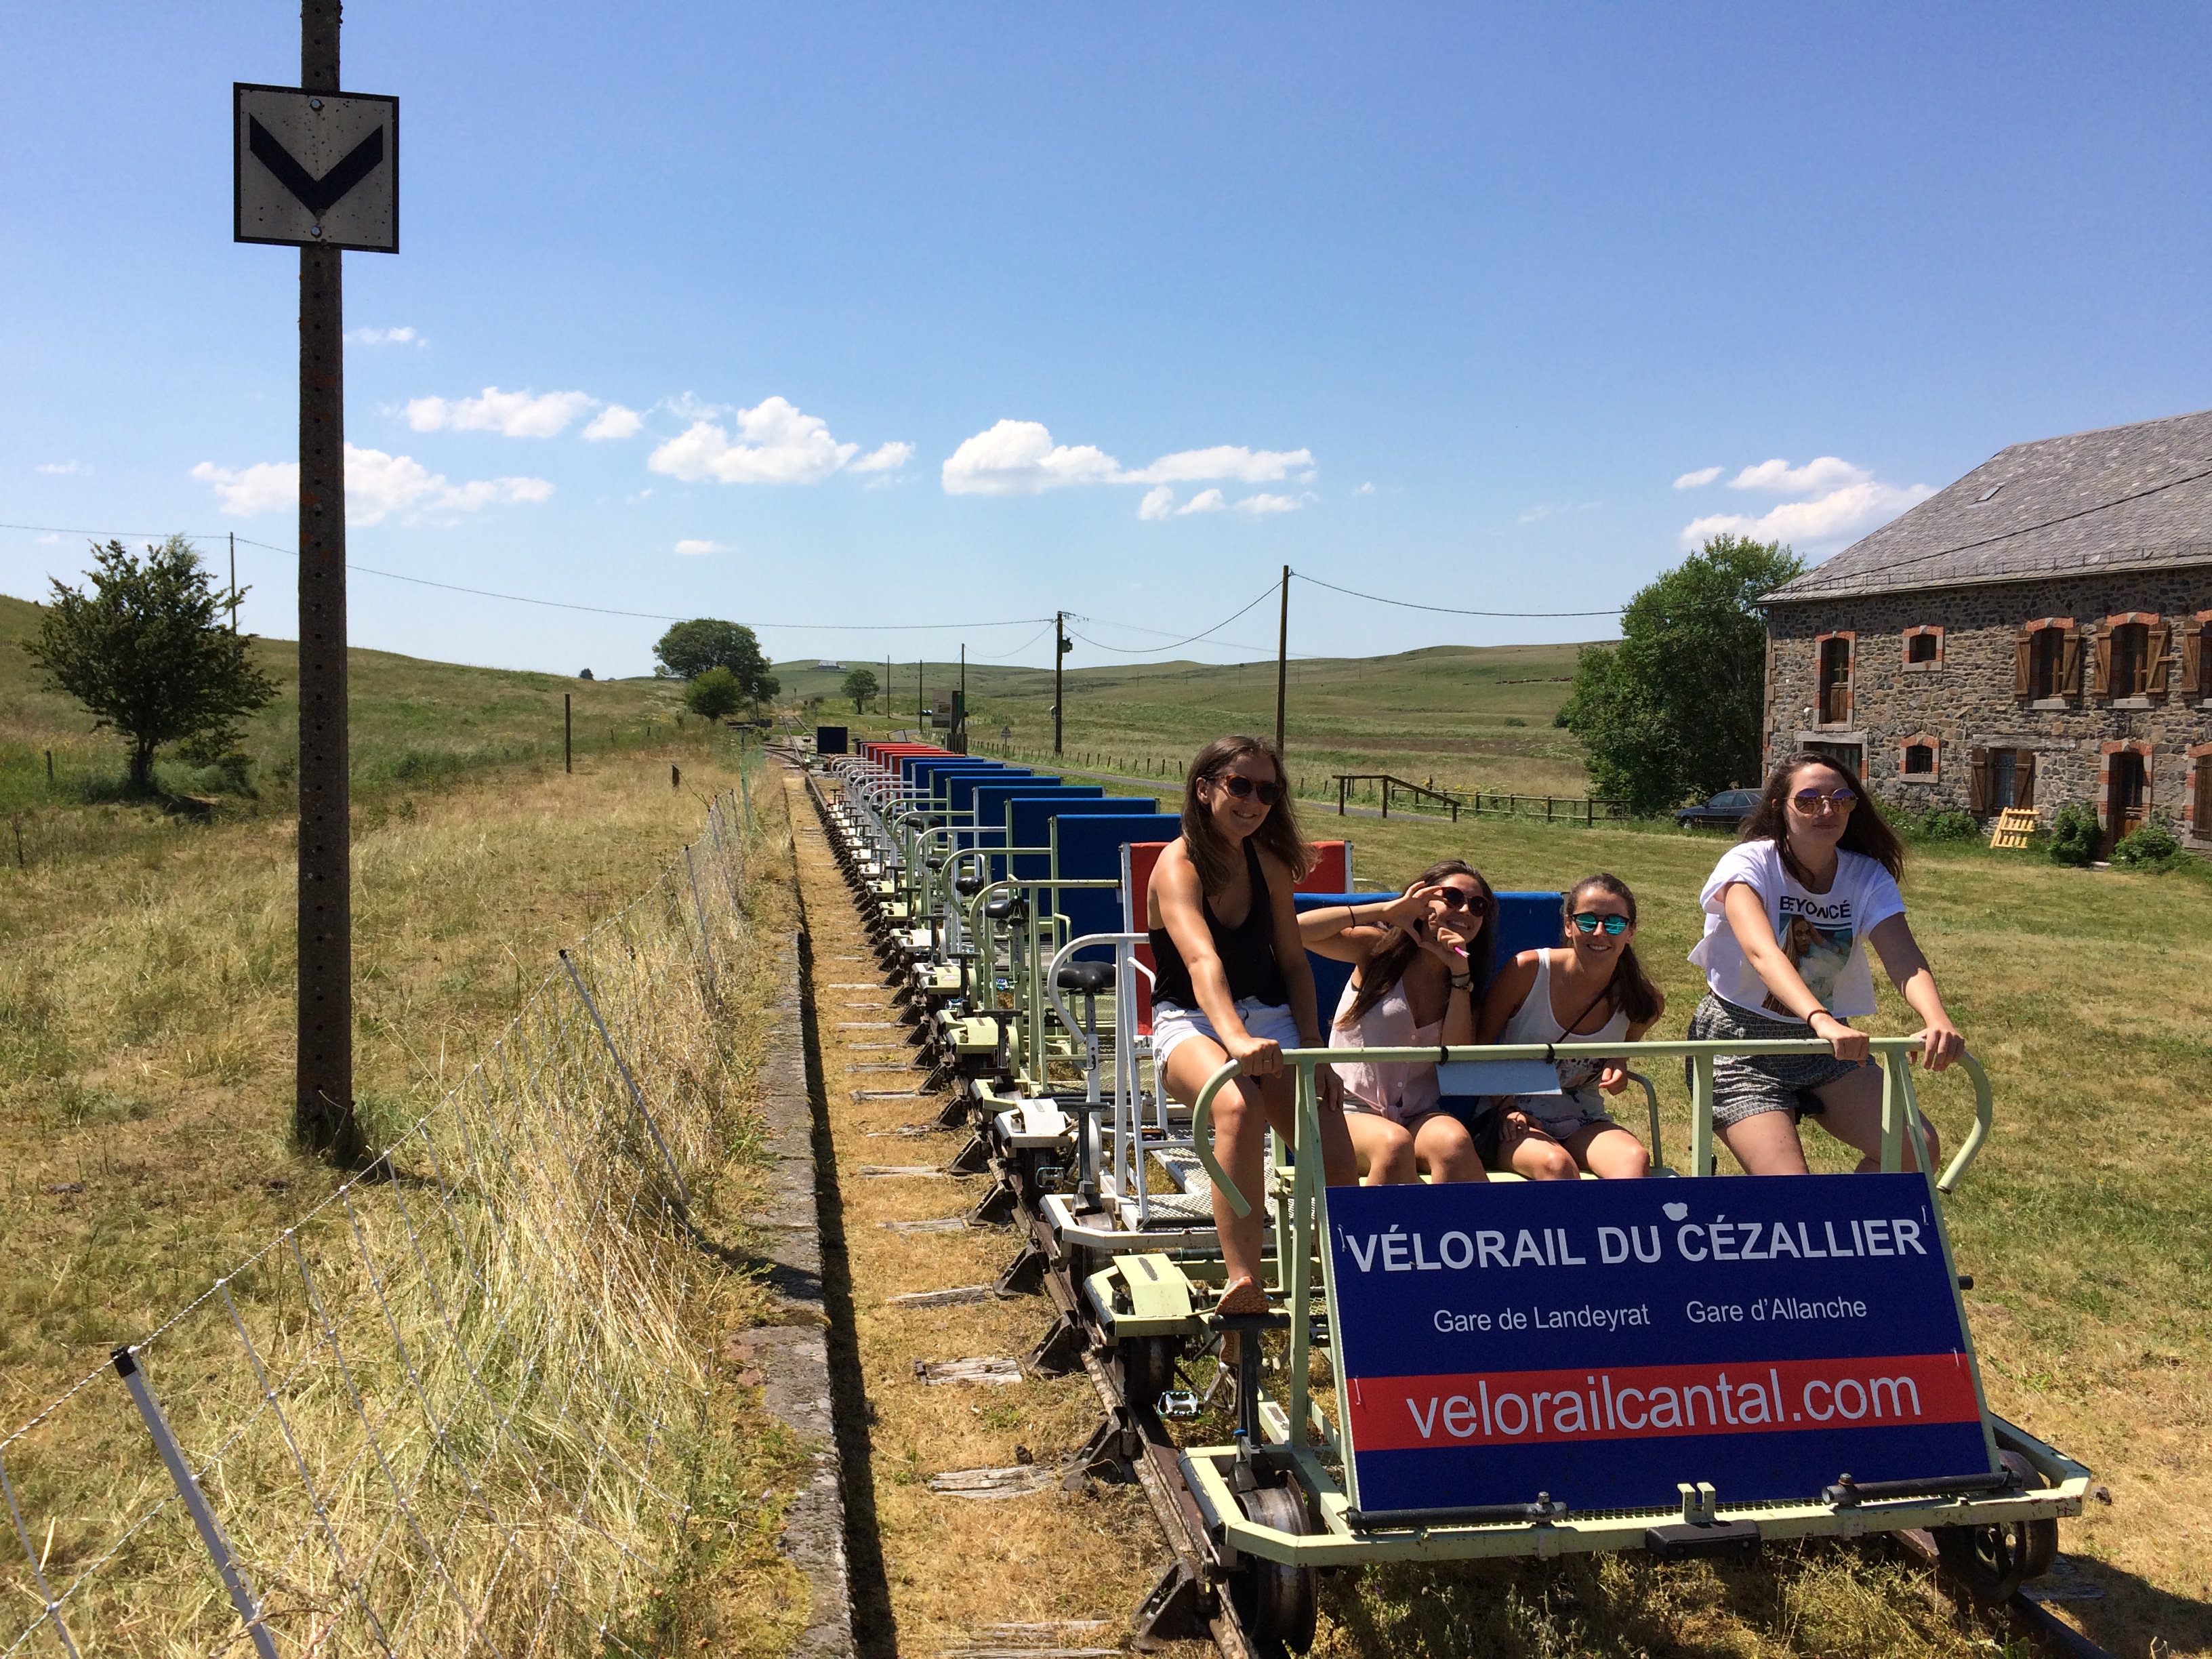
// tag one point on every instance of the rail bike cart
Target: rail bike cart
(1686, 1366)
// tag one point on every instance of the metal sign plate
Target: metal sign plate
(315, 169)
(1604, 1341)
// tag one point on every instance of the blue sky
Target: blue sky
(964, 313)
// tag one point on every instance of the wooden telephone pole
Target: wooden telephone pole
(323, 1108)
(1282, 659)
(1060, 649)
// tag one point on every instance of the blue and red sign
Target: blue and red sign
(1605, 1340)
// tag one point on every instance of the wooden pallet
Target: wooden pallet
(2014, 825)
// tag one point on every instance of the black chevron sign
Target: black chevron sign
(317, 196)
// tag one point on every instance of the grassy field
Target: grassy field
(1468, 717)
(412, 722)
(2085, 1224)
(145, 1081)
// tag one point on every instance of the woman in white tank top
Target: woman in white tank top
(1591, 989)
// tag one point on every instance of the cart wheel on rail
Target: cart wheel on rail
(1148, 1368)
(1989, 1564)
(2042, 1535)
(1276, 1602)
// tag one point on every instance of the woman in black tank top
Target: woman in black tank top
(1233, 982)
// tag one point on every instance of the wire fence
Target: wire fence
(448, 1410)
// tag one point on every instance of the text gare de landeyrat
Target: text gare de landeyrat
(1398, 1251)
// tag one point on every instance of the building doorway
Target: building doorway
(2127, 796)
(1835, 688)
(1851, 754)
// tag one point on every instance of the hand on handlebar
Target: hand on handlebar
(1254, 1056)
(1845, 1042)
(1940, 1044)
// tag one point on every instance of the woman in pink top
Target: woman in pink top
(1417, 961)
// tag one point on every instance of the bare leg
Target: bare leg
(1445, 1151)
(1531, 1153)
(1853, 1117)
(1609, 1152)
(1385, 1151)
(1764, 1144)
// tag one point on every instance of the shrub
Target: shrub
(1949, 826)
(2074, 834)
(2153, 846)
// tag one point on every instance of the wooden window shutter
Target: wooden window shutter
(2192, 662)
(1977, 782)
(2070, 668)
(2162, 641)
(2023, 777)
(2101, 686)
(2022, 651)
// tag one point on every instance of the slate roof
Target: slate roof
(2122, 498)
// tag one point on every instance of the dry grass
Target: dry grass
(535, 1344)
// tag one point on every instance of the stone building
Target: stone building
(2031, 635)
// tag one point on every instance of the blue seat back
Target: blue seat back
(994, 800)
(1029, 818)
(960, 788)
(1091, 848)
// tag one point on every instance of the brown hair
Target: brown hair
(1631, 989)
(1864, 831)
(1278, 832)
(1387, 965)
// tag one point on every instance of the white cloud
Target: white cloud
(1698, 480)
(1259, 504)
(692, 549)
(887, 458)
(614, 421)
(1018, 457)
(261, 488)
(513, 414)
(776, 444)
(1781, 478)
(1207, 501)
(1842, 503)
(1230, 461)
(1365, 489)
(376, 486)
(63, 469)
(401, 336)
(1158, 502)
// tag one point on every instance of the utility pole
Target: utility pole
(960, 708)
(322, 1104)
(1060, 649)
(1282, 659)
(234, 581)
(920, 703)
(568, 731)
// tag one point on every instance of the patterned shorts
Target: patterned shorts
(1745, 1085)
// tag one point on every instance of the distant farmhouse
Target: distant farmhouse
(2033, 634)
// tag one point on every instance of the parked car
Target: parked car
(1723, 811)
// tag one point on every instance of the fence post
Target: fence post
(699, 908)
(1341, 781)
(636, 1096)
(210, 1530)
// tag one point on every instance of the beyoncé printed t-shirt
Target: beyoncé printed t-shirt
(1823, 933)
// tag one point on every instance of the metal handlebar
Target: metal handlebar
(1305, 1060)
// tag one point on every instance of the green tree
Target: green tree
(144, 652)
(714, 694)
(860, 685)
(690, 649)
(1672, 713)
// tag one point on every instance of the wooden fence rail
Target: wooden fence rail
(1552, 808)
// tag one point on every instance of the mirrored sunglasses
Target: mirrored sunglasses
(1588, 922)
(1810, 800)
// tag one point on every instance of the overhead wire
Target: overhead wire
(1191, 640)
(1445, 610)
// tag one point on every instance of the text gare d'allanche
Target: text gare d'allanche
(1718, 1240)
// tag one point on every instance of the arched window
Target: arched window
(1917, 758)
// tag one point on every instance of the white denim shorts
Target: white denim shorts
(1174, 1026)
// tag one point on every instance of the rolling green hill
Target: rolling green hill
(1467, 715)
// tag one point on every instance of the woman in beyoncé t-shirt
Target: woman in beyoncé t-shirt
(1788, 912)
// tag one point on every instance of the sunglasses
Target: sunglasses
(1588, 922)
(1452, 899)
(1265, 793)
(1811, 800)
